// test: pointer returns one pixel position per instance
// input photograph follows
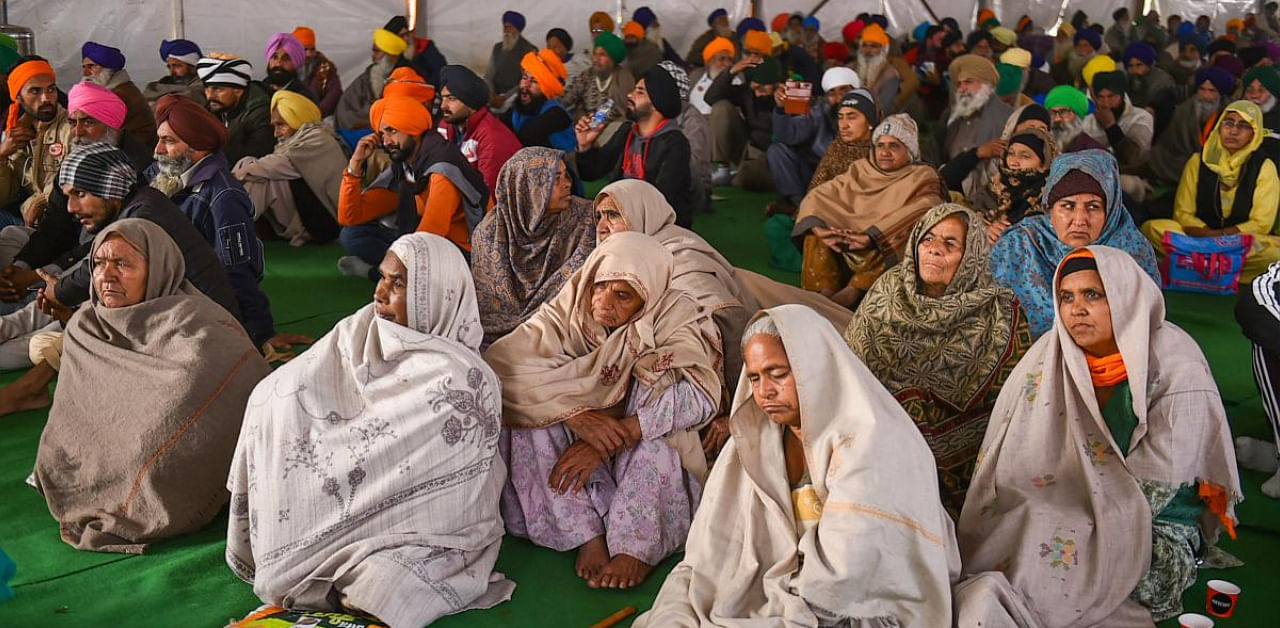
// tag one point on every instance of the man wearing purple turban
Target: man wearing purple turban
(285, 58)
(503, 74)
(104, 66)
(180, 56)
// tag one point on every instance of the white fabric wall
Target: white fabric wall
(903, 15)
(682, 21)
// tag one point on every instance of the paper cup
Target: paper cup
(1194, 620)
(1221, 598)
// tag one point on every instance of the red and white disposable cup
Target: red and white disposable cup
(1194, 620)
(1221, 599)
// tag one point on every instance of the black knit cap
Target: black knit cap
(1030, 141)
(1073, 183)
(1034, 111)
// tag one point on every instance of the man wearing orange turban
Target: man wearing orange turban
(37, 137)
(537, 116)
(430, 187)
(318, 73)
(642, 53)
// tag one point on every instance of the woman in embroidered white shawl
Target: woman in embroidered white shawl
(823, 509)
(367, 476)
(1107, 465)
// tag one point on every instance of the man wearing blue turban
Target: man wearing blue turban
(104, 66)
(180, 56)
(503, 74)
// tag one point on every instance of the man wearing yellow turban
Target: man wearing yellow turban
(296, 187)
(429, 187)
(352, 114)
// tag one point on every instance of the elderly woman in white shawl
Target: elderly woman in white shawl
(806, 521)
(367, 475)
(1107, 467)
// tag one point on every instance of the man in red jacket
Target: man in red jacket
(466, 123)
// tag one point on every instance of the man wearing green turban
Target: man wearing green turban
(1262, 87)
(604, 81)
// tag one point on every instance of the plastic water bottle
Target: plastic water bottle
(601, 115)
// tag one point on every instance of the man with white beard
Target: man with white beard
(503, 73)
(1181, 139)
(873, 68)
(1262, 86)
(358, 98)
(976, 116)
(104, 66)
(1068, 107)
(653, 32)
(718, 23)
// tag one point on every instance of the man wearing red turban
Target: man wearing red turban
(429, 187)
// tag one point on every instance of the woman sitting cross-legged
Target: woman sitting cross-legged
(367, 476)
(1231, 186)
(1107, 470)
(823, 508)
(153, 382)
(604, 389)
(853, 227)
(942, 336)
(1083, 206)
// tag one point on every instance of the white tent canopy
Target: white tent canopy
(465, 32)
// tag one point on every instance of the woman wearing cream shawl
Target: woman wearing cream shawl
(864, 542)
(1086, 504)
(149, 402)
(943, 349)
(853, 227)
(367, 475)
(603, 420)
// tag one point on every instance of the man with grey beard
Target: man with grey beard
(104, 65)
(718, 22)
(653, 33)
(503, 73)
(873, 68)
(605, 80)
(976, 116)
(1181, 139)
(353, 109)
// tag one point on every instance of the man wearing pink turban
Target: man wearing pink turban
(285, 58)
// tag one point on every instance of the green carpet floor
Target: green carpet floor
(185, 582)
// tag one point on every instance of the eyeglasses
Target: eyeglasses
(1234, 125)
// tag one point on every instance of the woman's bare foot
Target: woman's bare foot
(623, 572)
(592, 557)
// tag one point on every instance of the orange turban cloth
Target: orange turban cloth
(405, 82)
(600, 20)
(717, 46)
(401, 113)
(548, 78)
(779, 22)
(875, 34)
(634, 29)
(18, 77)
(757, 41)
(306, 36)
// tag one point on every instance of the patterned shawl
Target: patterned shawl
(1053, 505)
(1026, 256)
(1018, 192)
(883, 551)
(979, 187)
(150, 399)
(369, 465)
(840, 156)
(520, 254)
(561, 361)
(954, 345)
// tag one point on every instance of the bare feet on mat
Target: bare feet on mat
(592, 557)
(13, 399)
(623, 572)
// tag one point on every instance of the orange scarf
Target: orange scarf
(1106, 372)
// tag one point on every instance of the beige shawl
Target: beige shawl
(700, 270)
(869, 200)
(883, 550)
(561, 362)
(368, 468)
(149, 404)
(1053, 505)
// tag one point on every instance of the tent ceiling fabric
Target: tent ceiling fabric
(903, 14)
(344, 30)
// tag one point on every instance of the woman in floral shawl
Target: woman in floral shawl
(1107, 467)
(1083, 202)
(535, 236)
(941, 335)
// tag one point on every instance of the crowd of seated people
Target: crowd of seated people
(982, 220)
